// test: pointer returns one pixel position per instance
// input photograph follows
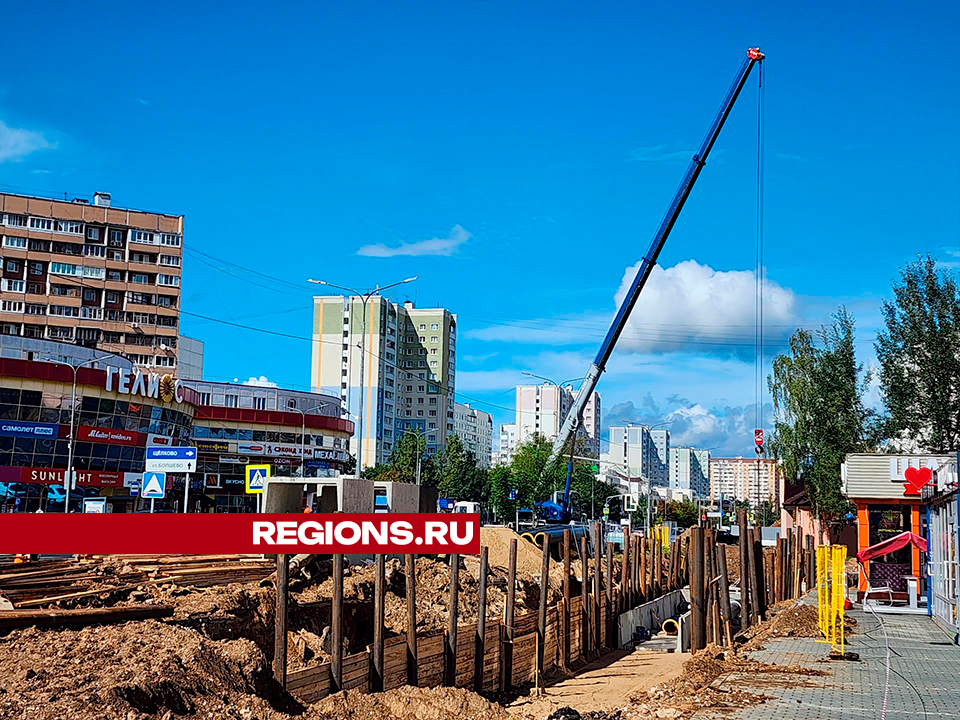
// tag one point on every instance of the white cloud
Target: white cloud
(434, 246)
(658, 153)
(261, 381)
(693, 308)
(17, 143)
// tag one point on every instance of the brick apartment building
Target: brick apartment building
(91, 274)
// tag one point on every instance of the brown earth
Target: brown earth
(409, 703)
(790, 620)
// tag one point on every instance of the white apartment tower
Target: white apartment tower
(635, 451)
(508, 444)
(744, 479)
(408, 369)
(475, 429)
(542, 409)
(690, 470)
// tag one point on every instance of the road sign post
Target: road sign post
(256, 476)
(154, 487)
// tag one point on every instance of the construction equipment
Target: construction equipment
(572, 420)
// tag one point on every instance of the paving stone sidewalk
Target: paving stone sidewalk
(924, 676)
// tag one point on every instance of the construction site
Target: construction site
(514, 632)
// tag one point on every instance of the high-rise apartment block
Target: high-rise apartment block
(636, 453)
(744, 479)
(92, 274)
(475, 429)
(690, 470)
(541, 409)
(508, 444)
(408, 369)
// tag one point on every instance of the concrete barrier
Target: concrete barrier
(651, 616)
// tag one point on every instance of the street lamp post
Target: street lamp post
(363, 334)
(420, 453)
(303, 427)
(68, 479)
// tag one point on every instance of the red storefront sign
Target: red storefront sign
(109, 435)
(55, 476)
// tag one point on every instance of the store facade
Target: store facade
(886, 491)
(119, 411)
(296, 433)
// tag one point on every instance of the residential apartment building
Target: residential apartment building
(634, 452)
(508, 444)
(92, 274)
(475, 429)
(542, 409)
(690, 470)
(736, 479)
(409, 369)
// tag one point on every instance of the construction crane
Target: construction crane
(572, 420)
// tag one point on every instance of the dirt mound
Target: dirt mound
(128, 671)
(790, 620)
(529, 557)
(409, 703)
(690, 692)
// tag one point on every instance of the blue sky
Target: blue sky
(530, 148)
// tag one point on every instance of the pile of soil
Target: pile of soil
(682, 697)
(529, 557)
(409, 703)
(135, 670)
(790, 620)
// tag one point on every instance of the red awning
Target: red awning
(892, 545)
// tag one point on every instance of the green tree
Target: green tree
(819, 413)
(684, 513)
(500, 482)
(919, 354)
(459, 475)
(402, 466)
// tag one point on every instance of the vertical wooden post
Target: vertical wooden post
(610, 607)
(725, 595)
(584, 599)
(771, 592)
(698, 634)
(480, 642)
(336, 631)
(749, 572)
(454, 614)
(379, 598)
(811, 572)
(280, 620)
(642, 575)
(713, 605)
(565, 616)
(413, 661)
(506, 664)
(778, 571)
(625, 562)
(758, 573)
(597, 586)
(542, 615)
(745, 617)
(789, 564)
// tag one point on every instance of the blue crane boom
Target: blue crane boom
(646, 266)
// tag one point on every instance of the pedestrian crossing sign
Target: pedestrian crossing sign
(256, 478)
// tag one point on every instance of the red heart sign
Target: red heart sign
(916, 478)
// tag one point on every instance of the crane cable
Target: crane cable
(758, 330)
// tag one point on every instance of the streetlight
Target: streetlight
(420, 452)
(68, 480)
(292, 405)
(363, 333)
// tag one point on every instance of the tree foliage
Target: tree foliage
(919, 354)
(819, 413)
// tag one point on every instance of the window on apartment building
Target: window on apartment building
(35, 268)
(41, 223)
(15, 220)
(422, 326)
(13, 285)
(142, 236)
(172, 260)
(57, 268)
(89, 295)
(259, 403)
(95, 251)
(434, 338)
(113, 298)
(93, 233)
(433, 413)
(419, 413)
(35, 309)
(170, 239)
(96, 273)
(433, 401)
(116, 236)
(14, 306)
(64, 311)
(433, 351)
(114, 275)
(169, 280)
(423, 338)
(69, 226)
(39, 245)
(231, 400)
(13, 265)
(11, 241)
(139, 278)
(434, 326)
(433, 363)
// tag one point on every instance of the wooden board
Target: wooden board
(310, 684)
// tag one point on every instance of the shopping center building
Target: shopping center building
(120, 410)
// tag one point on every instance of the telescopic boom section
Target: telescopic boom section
(650, 259)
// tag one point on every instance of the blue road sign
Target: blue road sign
(154, 485)
(171, 453)
(512, 495)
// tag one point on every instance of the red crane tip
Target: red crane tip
(755, 54)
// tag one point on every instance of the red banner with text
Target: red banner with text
(208, 534)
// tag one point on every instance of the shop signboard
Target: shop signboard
(19, 428)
